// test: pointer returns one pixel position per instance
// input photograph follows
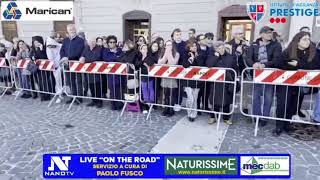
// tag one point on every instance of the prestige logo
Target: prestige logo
(256, 11)
(37, 11)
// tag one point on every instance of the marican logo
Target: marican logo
(61, 163)
(12, 11)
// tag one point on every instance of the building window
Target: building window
(9, 30)
(61, 27)
(246, 25)
(137, 23)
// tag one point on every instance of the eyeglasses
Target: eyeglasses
(112, 42)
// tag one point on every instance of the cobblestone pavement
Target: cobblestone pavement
(305, 155)
(29, 129)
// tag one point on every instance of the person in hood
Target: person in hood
(264, 53)
(53, 52)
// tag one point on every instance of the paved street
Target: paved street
(305, 154)
(29, 128)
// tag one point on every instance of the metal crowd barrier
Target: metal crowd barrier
(179, 77)
(36, 79)
(105, 82)
(6, 76)
(272, 89)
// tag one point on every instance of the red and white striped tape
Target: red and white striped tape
(46, 65)
(194, 73)
(22, 63)
(281, 77)
(3, 62)
(43, 64)
(98, 67)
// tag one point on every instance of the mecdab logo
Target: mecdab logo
(265, 165)
(36, 10)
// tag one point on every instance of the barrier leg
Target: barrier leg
(74, 99)
(4, 92)
(124, 107)
(52, 100)
(256, 127)
(17, 95)
(150, 109)
(218, 122)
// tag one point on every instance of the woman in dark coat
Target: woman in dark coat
(300, 54)
(112, 54)
(192, 88)
(221, 94)
(43, 78)
(146, 60)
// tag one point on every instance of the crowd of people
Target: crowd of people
(268, 51)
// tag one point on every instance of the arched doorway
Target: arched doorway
(232, 17)
(136, 23)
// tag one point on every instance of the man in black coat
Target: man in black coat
(180, 46)
(72, 48)
(93, 53)
(264, 53)
(222, 94)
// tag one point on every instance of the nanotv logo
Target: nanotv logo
(12, 11)
(59, 166)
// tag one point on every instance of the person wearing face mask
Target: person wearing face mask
(43, 78)
(112, 54)
(71, 49)
(264, 53)
(53, 53)
(92, 53)
(192, 88)
(300, 54)
(169, 56)
(221, 94)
